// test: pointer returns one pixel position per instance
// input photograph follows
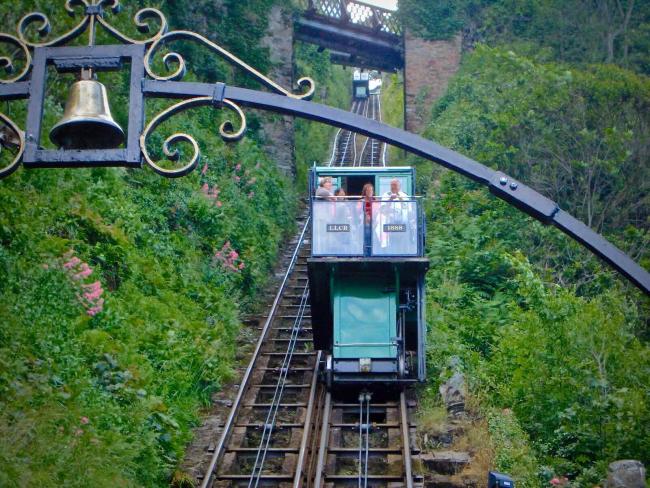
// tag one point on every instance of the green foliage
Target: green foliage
(572, 369)
(513, 454)
(432, 19)
(554, 338)
(577, 136)
(392, 108)
(575, 31)
(110, 399)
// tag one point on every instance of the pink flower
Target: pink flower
(237, 178)
(242, 265)
(73, 262)
(78, 432)
(94, 295)
(238, 167)
(205, 169)
(234, 255)
(84, 420)
(205, 188)
(219, 204)
(84, 273)
(555, 481)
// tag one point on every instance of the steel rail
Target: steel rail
(351, 136)
(247, 375)
(406, 442)
(358, 157)
(338, 135)
(324, 435)
(370, 144)
(297, 479)
(360, 458)
(354, 136)
(367, 445)
(269, 424)
(384, 146)
(363, 149)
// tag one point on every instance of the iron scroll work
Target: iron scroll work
(29, 83)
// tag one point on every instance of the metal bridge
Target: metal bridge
(358, 34)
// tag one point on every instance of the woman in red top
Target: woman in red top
(367, 195)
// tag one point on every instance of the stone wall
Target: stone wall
(428, 66)
(278, 131)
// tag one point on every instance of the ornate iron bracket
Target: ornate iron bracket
(145, 82)
(30, 82)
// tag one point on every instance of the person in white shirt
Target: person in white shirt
(395, 192)
(393, 211)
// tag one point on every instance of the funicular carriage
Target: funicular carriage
(361, 84)
(367, 281)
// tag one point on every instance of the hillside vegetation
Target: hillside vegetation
(120, 290)
(553, 343)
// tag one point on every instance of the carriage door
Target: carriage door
(364, 317)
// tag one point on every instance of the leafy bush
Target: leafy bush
(554, 339)
(105, 363)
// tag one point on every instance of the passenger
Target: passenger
(324, 189)
(339, 193)
(395, 209)
(395, 192)
(367, 196)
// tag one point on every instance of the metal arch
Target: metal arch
(503, 186)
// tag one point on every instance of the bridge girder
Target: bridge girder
(364, 47)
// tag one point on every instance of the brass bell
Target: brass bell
(87, 122)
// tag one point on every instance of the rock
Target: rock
(453, 393)
(446, 462)
(626, 474)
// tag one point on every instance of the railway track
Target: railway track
(373, 152)
(345, 150)
(286, 430)
(365, 443)
(264, 439)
